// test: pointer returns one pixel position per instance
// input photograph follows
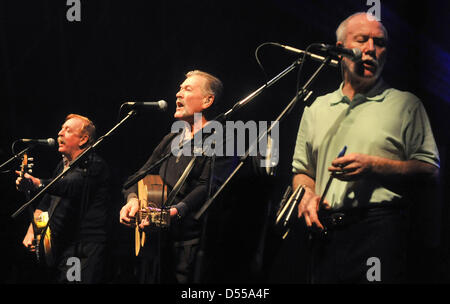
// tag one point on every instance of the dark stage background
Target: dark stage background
(140, 50)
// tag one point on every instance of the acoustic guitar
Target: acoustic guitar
(39, 223)
(42, 237)
(152, 197)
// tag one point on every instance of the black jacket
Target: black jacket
(79, 203)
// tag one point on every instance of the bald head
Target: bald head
(357, 18)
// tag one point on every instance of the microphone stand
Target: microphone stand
(250, 97)
(304, 93)
(133, 181)
(72, 164)
(16, 156)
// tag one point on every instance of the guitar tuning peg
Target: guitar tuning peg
(30, 159)
(30, 171)
(30, 165)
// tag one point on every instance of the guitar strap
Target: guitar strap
(181, 181)
(84, 200)
(176, 189)
(54, 202)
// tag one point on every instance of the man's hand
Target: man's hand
(27, 182)
(28, 239)
(145, 222)
(352, 166)
(309, 207)
(128, 212)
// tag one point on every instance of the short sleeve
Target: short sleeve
(302, 161)
(419, 139)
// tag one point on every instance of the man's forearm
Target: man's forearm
(388, 170)
(303, 179)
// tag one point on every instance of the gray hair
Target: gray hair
(214, 85)
(341, 31)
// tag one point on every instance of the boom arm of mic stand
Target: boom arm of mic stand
(130, 183)
(71, 165)
(16, 156)
(302, 93)
(247, 99)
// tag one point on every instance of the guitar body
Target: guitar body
(43, 238)
(151, 195)
(150, 191)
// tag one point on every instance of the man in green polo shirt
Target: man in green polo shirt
(389, 146)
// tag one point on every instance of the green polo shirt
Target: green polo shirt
(385, 122)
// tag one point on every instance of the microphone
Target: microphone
(333, 62)
(354, 54)
(160, 105)
(45, 142)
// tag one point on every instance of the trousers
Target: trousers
(360, 246)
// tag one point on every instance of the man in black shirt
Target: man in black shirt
(174, 261)
(77, 206)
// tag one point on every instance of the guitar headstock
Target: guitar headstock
(26, 165)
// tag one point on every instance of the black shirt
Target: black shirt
(79, 202)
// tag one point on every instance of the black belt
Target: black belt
(338, 219)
